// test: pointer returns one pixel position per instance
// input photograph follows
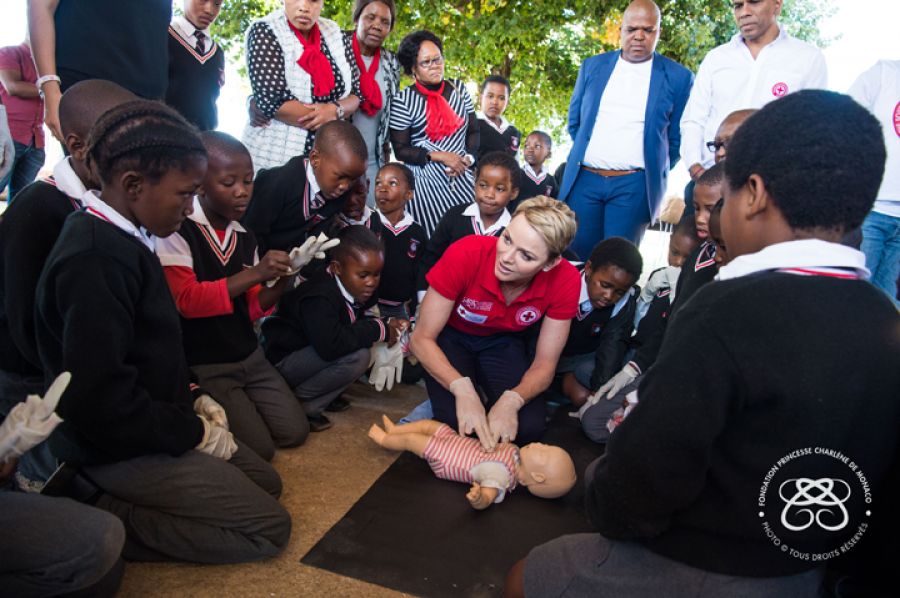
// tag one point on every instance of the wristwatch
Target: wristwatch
(340, 110)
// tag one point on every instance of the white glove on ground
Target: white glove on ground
(504, 416)
(206, 406)
(217, 441)
(388, 365)
(31, 422)
(470, 412)
(626, 376)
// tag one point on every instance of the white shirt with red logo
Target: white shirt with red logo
(730, 79)
(465, 275)
(878, 89)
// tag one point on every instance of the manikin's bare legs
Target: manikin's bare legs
(412, 437)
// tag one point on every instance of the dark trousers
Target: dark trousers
(495, 364)
(608, 207)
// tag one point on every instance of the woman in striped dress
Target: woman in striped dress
(433, 130)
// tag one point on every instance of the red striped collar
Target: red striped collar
(841, 273)
(805, 257)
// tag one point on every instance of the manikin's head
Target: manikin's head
(547, 471)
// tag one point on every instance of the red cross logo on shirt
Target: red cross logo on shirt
(527, 316)
(897, 119)
(779, 90)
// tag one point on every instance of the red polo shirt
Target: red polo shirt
(465, 274)
(25, 115)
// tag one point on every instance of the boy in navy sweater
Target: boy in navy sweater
(320, 337)
(719, 468)
(196, 64)
(536, 179)
(496, 133)
(164, 461)
(497, 180)
(217, 279)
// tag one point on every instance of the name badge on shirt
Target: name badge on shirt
(469, 316)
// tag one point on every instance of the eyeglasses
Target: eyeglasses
(436, 61)
(715, 146)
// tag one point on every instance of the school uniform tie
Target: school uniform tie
(201, 44)
(317, 201)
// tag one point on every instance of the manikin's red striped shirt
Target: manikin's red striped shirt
(452, 456)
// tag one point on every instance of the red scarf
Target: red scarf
(313, 61)
(368, 85)
(441, 120)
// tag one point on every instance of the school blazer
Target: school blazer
(670, 86)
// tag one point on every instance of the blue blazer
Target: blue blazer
(670, 86)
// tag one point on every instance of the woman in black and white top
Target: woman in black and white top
(303, 75)
(433, 130)
(379, 80)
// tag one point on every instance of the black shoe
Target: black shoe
(318, 423)
(338, 405)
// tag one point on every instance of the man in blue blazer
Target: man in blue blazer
(624, 120)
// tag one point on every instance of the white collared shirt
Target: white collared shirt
(473, 212)
(174, 250)
(878, 89)
(504, 124)
(531, 174)
(617, 140)
(367, 213)
(186, 30)
(100, 209)
(401, 225)
(803, 254)
(347, 296)
(67, 181)
(730, 79)
(585, 306)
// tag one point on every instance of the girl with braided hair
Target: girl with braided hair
(160, 459)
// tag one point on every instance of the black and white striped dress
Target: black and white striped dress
(435, 191)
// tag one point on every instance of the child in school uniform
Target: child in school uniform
(598, 336)
(797, 390)
(356, 212)
(28, 230)
(404, 241)
(164, 462)
(497, 180)
(319, 339)
(196, 64)
(716, 236)
(536, 179)
(495, 133)
(292, 199)
(216, 278)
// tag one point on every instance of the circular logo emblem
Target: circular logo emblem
(814, 504)
(527, 316)
(897, 119)
(779, 90)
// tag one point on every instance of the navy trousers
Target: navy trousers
(608, 207)
(495, 364)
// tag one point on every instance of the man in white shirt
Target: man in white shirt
(623, 118)
(878, 89)
(761, 63)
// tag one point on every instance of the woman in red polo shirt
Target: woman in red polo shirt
(484, 293)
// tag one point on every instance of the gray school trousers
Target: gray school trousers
(317, 382)
(51, 546)
(195, 507)
(262, 410)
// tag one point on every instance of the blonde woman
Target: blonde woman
(484, 293)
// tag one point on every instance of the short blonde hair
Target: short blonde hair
(552, 219)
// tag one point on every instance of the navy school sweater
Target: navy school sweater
(195, 80)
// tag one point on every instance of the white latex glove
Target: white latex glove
(206, 406)
(312, 248)
(217, 441)
(388, 366)
(504, 416)
(30, 422)
(470, 412)
(626, 376)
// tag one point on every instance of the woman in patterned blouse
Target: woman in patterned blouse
(303, 75)
(433, 130)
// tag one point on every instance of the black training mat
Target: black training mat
(417, 534)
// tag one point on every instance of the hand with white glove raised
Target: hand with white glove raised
(388, 365)
(504, 416)
(312, 248)
(217, 441)
(206, 406)
(470, 412)
(32, 421)
(626, 376)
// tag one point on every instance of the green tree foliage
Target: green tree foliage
(539, 44)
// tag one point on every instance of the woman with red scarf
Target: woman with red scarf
(433, 130)
(379, 80)
(303, 75)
